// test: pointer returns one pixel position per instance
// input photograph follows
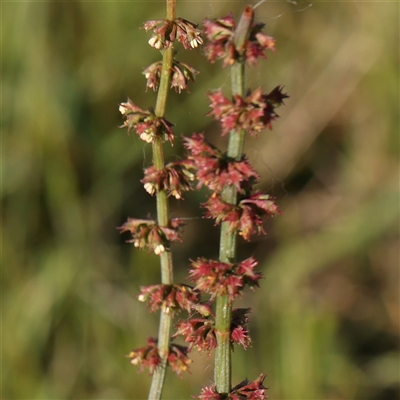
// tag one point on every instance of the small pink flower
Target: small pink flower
(253, 113)
(147, 233)
(214, 169)
(249, 390)
(239, 334)
(174, 178)
(198, 332)
(220, 34)
(178, 359)
(169, 297)
(146, 124)
(146, 357)
(210, 393)
(218, 279)
(258, 44)
(244, 390)
(246, 217)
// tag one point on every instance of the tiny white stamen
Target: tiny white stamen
(149, 187)
(159, 249)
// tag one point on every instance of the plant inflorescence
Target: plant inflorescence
(213, 324)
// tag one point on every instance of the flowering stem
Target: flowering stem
(223, 369)
(164, 332)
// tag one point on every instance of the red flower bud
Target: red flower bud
(222, 45)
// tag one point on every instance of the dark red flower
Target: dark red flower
(253, 208)
(178, 359)
(147, 233)
(169, 297)
(239, 334)
(258, 44)
(146, 357)
(174, 178)
(217, 278)
(253, 113)
(215, 169)
(245, 390)
(254, 390)
(146, 124)
(166, 31)
(198, 332)
(246, 217)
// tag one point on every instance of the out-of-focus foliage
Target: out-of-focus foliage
(325, 324)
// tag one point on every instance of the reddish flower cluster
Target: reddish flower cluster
(200, 332)
(174, 178)
(146, 124)
(217, 278)
(169, 297)
(221, 34)
(242, 43)
(148, 357)
(165, 33)
(181, 74)
(253, 113)
(178, 359)
(214, 169)
(254, 390)
(147, 233)
(239, 334)
(246, 216)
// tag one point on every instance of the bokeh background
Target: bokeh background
(325, 323)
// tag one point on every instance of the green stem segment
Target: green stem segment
(223, 369)
(163, 217)
(227, 254)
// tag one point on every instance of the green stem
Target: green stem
(163, 216)
(223, 363)
(228, 254)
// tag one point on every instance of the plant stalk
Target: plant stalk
(163, 216)
(223, 362)
(227, 254)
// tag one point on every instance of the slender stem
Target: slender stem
(163, 216)
(228, 254)
(223, 362)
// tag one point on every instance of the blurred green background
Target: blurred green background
(325, 323)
